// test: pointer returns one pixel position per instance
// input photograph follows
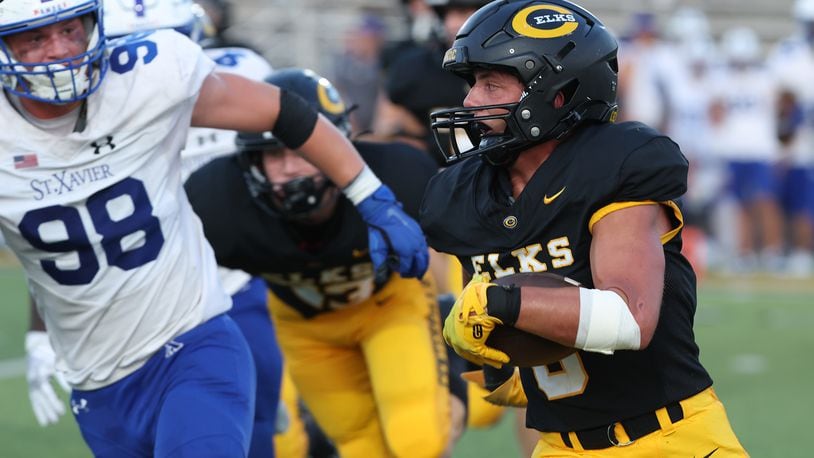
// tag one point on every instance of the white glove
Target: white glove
(283, 421)
(41, 368)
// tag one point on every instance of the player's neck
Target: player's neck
(44, 110)
(527, 163)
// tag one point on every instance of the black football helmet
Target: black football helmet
(552, 46)
(298, 198)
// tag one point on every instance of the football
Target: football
(525, 349)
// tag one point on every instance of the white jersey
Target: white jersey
(205, 144)
(748, 128)
(114, 254)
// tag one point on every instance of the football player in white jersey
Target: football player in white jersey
(793, 62)
(744, 136)
(92, 205)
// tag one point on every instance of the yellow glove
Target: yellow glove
(510, 393)
(468, 325)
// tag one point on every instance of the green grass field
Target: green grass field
(755, 337)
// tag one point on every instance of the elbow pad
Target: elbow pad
(605, 323)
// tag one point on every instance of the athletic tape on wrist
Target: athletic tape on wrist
(365, 184)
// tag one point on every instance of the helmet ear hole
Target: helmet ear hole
(569, 90)
(614, 65)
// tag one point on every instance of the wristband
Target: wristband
(365, 184)
(503, 303)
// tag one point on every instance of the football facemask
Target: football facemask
(467, 135)
(300, 197)
(58, 81)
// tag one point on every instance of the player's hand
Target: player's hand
(41, 369)
(283, 420)
(393, 236)
(468, 326)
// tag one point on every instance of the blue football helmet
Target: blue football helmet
(59, 81)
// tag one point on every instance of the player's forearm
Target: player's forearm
(236, 103)
(552, 313)
(329, 150)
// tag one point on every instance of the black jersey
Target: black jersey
(416, 81)
(468, 211)
(310, 277)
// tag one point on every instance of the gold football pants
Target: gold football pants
(374, 374)
(293, 442)
(704, 431)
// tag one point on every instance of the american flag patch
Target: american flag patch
(24, 161)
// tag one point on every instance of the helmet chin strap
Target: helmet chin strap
(501, 157)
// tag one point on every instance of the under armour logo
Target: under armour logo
(80, 406)
(172, 347)
(477, 331)
(106, 142)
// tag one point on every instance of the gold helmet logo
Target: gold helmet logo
(329, 98)
(545, 21)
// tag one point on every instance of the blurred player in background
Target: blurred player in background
(416, 85)
(744, 135)
(221, 16)
(548, 182)
(793, 64)
(361, 344)
(94, 209)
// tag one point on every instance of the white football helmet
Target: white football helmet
(741, 45)
(123, 17)
(688, 24)
(804, 10)
(58, 81)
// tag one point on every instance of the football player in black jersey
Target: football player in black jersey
(549, 183)
(363, 346)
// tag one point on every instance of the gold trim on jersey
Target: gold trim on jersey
(608, 209)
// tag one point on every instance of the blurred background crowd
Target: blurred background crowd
(728, 80)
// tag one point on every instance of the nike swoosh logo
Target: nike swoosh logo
(547, 200)
(710, 453)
